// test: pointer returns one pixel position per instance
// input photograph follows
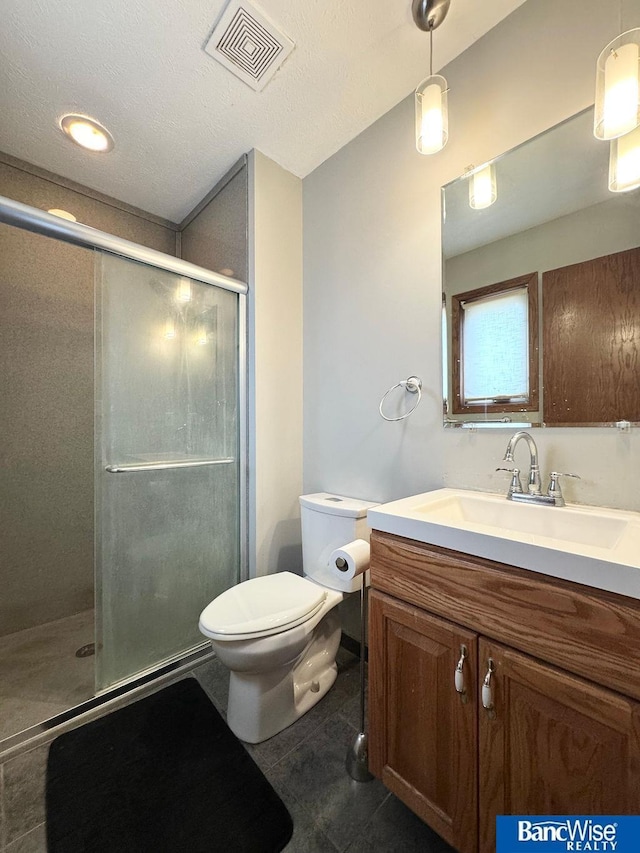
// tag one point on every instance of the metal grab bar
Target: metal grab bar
(165, 466)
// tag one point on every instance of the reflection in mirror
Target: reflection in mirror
(556, 225)
(494, 344)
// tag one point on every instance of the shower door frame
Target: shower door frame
(37, 221)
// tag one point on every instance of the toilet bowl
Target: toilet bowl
(278, 669)
(279, 634)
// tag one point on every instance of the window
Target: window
(495, 347)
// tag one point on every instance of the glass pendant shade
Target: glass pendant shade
(183, 291)
(483, 189)
(169, 329)
(432, 121)
(624, 162)
(617, 107)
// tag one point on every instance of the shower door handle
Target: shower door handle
(165, 466)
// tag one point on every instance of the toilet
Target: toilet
(279, 634)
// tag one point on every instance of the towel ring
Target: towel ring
(414, 386)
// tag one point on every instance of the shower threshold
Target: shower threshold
(37, 701)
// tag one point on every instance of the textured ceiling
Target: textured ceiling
(179, 118)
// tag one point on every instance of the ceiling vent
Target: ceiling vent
(248, 44)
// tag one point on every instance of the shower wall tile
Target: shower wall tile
(46, 423)
(110, 215)
(217, 237)
(46, 385)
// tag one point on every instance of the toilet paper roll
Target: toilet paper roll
(351, 560)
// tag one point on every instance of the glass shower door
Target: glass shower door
(167, 462)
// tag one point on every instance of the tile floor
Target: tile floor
(305, 764)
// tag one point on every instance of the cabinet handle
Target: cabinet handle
(487, 692)
(459, 674)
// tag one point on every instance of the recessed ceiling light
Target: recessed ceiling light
(87, 132)
(63, 214)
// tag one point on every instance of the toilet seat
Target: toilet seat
(261, 607)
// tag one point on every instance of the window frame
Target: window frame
(459, 406)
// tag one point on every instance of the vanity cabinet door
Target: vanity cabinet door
(423, 732)
(552, 744)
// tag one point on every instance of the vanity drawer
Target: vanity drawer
(589, 632)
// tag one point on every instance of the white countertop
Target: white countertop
(588, 545)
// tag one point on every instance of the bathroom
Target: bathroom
(362, 231)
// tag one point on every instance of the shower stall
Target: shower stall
(123, 443)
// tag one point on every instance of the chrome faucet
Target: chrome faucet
(534, 484)
(533, 494)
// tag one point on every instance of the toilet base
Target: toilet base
(261, 704)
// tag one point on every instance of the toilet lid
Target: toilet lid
(264, 605)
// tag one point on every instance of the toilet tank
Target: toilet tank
(328, 522)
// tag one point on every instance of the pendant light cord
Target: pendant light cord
(430, 49)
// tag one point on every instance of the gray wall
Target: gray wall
(372, 271)
(46, 388)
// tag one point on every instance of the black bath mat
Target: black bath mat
(163, 775)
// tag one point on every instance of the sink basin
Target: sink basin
(564, 524)
(589, 545)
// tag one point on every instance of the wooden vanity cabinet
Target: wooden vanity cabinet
(563, 733)
(556, 744)
(423, 742)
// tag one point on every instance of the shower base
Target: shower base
(40, 675)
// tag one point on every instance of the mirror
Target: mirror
(541, 293)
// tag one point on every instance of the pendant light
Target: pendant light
(483, 190)
(624, 162)
(617, 107)
(183, 291)
(432, 122)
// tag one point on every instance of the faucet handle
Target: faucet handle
(555, 474)
(515, 487)
(554, 490)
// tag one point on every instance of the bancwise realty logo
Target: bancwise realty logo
(529, 833)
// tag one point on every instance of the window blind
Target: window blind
(495, 347)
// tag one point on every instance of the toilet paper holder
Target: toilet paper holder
(414, 386)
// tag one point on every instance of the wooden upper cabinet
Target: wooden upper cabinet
(591, 341)
(423, 733)
(556, 744)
